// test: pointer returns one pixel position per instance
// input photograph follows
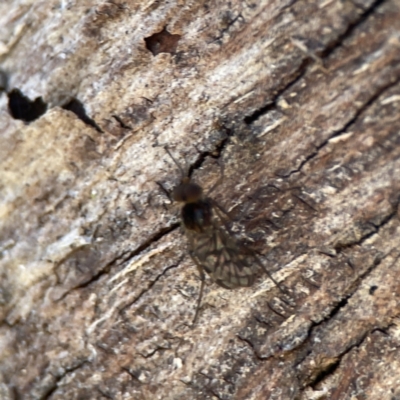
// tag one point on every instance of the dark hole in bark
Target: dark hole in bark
(21, 107)
(78, 109)
(162, 42)
(372, 289)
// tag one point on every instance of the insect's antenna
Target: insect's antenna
(184, 174)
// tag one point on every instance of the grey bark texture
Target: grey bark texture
(297, 101)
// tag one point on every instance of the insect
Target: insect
(212, 246)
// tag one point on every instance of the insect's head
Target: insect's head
(187, 191)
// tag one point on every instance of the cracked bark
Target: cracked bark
(298, 100)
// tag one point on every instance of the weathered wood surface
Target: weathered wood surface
(299, 100)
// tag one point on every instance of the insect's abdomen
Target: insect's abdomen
(197, 216)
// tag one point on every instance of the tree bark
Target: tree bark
(297, 102)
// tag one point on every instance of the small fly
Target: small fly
(212, 247)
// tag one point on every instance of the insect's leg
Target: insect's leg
(223, 215)
(184, 171)
(270, 275)
(218, 182)
(165, 191)
(202, 278)
(219, 208)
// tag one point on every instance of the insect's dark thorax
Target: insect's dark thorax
(197, 216)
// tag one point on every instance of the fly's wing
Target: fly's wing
(228, 263)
